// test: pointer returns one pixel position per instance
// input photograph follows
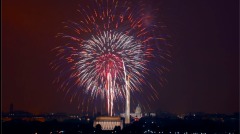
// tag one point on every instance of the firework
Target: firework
(110, 41)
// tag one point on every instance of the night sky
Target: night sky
(203, 76)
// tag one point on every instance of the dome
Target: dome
(138, 109)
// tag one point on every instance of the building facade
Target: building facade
(137, 114)
(108, 122)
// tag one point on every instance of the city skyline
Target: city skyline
(203, 75)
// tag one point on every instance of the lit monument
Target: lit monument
(127, 112)
(108, 122)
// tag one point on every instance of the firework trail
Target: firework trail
(111, 40)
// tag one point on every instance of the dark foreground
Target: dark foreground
(145, 125)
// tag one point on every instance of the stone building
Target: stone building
(137, 114)
(108, 122)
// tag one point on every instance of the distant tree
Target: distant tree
(117, 129)
(98, 128)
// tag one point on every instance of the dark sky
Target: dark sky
(203, 76)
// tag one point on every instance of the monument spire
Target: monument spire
(127, 114)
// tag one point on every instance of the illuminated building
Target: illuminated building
(108, 122)
(137, 114)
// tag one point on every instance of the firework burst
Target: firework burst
(111, 40)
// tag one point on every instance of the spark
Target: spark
(110, 40)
